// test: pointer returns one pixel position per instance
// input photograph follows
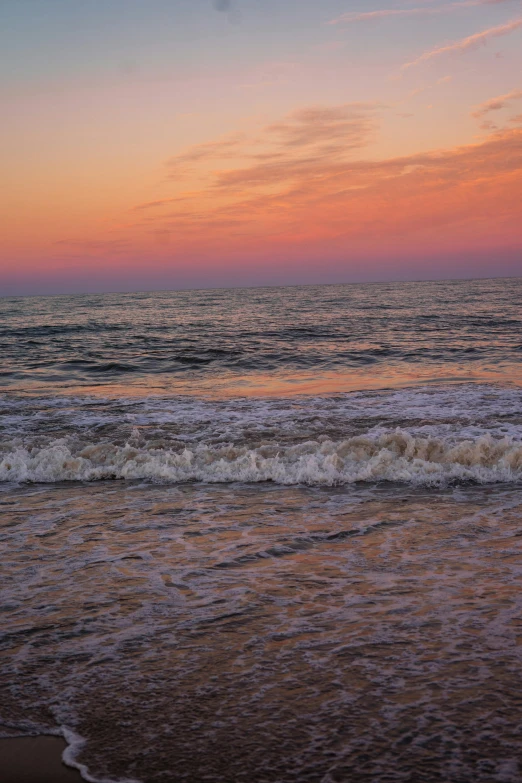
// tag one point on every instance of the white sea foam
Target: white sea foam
(425, 435)
(75, 743)
(473, 406)
(396, 456)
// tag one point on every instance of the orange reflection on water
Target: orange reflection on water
(287, 385)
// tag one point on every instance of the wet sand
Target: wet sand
(35, 760)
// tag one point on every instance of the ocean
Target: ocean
(265, 535)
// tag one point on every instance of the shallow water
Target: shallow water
(268, 633)
(428, 435)
(203, 586)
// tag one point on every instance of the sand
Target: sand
(35, 760)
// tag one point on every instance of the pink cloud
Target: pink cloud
(354, 16)
(466, 44)
(495, 104)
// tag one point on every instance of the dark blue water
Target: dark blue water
(262, 340)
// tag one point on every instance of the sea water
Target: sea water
(265, 535)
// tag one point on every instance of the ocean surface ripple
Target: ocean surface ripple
(178, 340)
(265, 536)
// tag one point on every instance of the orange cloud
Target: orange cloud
(495, 104)
(297, 189)
(158, 203)
(347, 126)
(228, 147)
(317, 129)
(304, 197)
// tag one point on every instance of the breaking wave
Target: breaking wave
(394, 456)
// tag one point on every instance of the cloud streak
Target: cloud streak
(495, 104)
(296, 189)
(466, 44)
(364, 16)
(185, 164)
(307, 193)
(348, 127)
(315, 132)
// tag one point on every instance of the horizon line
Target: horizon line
(261, 286)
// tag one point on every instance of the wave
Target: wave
(394, 456)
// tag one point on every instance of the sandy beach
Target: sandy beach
(35, 760)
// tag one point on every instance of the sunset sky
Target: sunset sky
(151, 144)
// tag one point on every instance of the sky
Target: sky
(170, 144)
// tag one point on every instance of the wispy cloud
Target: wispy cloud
(466, 44)
(364, 16)
(495, 104)
(316, 132)
(305, 189)
(346, 127)
(222, 149)
(159, 203)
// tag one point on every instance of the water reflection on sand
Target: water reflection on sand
(264, 633)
